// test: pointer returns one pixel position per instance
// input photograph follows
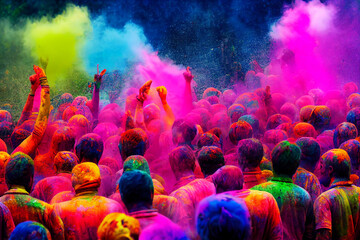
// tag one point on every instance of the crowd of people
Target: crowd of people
(234, 165)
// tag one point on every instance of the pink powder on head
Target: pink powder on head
(350, 88)
(228, 97)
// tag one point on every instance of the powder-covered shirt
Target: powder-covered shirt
(26, 208)
(254, 178)
(150, 217)
(308, 181)
(6, 222)
(48, 187)
(295, 207)
(264, 213)
(338, 210)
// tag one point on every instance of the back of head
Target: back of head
(208, 139)
(136, 190)
(19, 171)
(285, 159)
(222, 217)
(210, 159)
(182, 159)
(352, 147)
(118, 226)
(85, 177)
(63, 139)
(133, 142)
(250, 153)
(320, 117)
(183, 132)
(89, 148)
(339, 160)
(228, 178)
(65, 161)
(136, 162)
(240, 130)
(343, 132)
(310, 151)
(30, 230)
(158, 231)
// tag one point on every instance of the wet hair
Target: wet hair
(285, 158)
(240, 130)
(182, 159)
(30, 230)
(133, 142)
(183, 132)
(228, 178)
(343, 132)
(250, 153)
(352, 147)
(19, 170)
(310, 150)
(136, 162)
(222, 217)
(136, 188)
(340, 161)
(210, 159)
(90, 147)
(65, 161)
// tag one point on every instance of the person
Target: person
(30, 230)
(83, 222)
(133, 142)
(222, 217)
(19, 174)
(264, 212)
(337, 211)
(210, 159)
(182, 161)
(172, 231)
(118, 226)
(89, 148)
(294, 202)
(4, 157)
(352, 147)
(6, 222)
(304, 175)
(137, 192)
(183, 132)
(250, 153)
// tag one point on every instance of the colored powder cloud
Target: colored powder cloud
(114, 49)
(59, 40)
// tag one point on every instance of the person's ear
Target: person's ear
(331, 170)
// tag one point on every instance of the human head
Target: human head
(136, 190)
(250, 153)
(343, 132)
(208, 139)
(353, 116)
(119, 226)
(133, 142)
(4, 158)
(151, 112)
(335, 163)
(352, 147)
(19, 171)
(63, 139)
(310, 152)
(235, 111)
(85, 177)
(285, 159)
(183, 132)
(228, 178)
(320, 117)
(136, 162)
(182, 160)
(222, 217)
(89, 148)
(65, 161)
(240, 130)
(30, 230)
(210, 159)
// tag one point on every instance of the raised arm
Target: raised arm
(170, 118)
(29, 145)
(188, 95)
(139, 111)
(93, 104)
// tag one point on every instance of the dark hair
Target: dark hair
(352, 147)
(240, 130)
(181, 159)
(133, 142)
(65, 161)
(310, 150)
(183, 132)
(90, 147)
(136, 162)
(250, 153)
(208, 139)
(19, 170)
(285, 158)
(340, 161)
(343, 132)
(30, 230)
(210, 159)
(136, 187)
(228, 178)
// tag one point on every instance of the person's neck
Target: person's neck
(282, 176)
(17, 187)
(138, 207)
(307, 167)
(183, 174)
(251, 169)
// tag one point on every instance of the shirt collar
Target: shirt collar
(144, 213)
(341, 183)
(282, 179)
(17, 191)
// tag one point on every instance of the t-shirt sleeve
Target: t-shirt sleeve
(322, 213)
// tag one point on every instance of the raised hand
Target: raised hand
(162, 91)
(98, 77)
(144, 91)
(187, 75)
(40, 74)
